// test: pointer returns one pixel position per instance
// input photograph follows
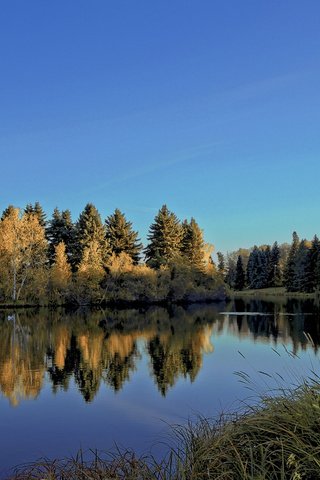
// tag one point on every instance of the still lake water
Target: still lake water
(90, 379)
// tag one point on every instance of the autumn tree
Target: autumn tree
(38, 211)
(121, 237)
(60, 273)
(23, 249)
(165, 236)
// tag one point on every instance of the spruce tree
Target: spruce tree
(274, 276)
(221, 263)
(301, 267)
(192, 244)
(240, 275)
(38, 211)
(257, 269)
(312, 277)
(8, 211)
(121, 237)
(89, 228)
(289, 274)
(61, 229)
(165, 236)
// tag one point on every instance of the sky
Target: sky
(211, 107)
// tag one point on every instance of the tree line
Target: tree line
(92, 261)
(295, 267)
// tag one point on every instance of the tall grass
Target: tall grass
(279, 439)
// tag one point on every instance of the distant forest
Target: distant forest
(90, 261)
(58, 261)
(295, 267)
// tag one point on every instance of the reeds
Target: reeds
(278, 439)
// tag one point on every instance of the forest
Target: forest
(58, 261)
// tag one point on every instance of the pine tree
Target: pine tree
(38, 211)
(274, 276)
(301, 267)
(121, 237)
(165, 236)
(289, 274)
(8, 211)
(221, 263)
(257, 269)
(192, 244)
(61, 229)
(240, 275)
(312, 277)
(89, 228)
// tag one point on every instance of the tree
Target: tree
(91, 267)
(61, 229)
(7, 211)
(299, 283)
(274, 274)
(61, 269)
(23, 249)
(165, 236)
(221, 263)
(38, 211)
(192, 244)
(257, 269)
(89, 228)
(312, 280)
(289, 274)
(240, 275)
(121, 237)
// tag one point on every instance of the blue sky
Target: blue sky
(211, 107)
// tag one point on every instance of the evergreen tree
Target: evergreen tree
(299, 283)
(257, 269)
(38, 211)
(274, 274)
(8, 211)
(165, 236)
(89, 228)
(121, 237)
(240, 275)
(312, 277)
(289, 274)
(61, 229)
(221, 263)
(192, 245)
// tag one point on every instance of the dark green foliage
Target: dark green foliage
(165, 236)
(289, 274)
(221, 263)
(274, 273)
(192, 244)
(61, 229)
(301, 267)
(37, 210)
(257, 269)
(240, 275)
(121, 237)
(90, 228)
(312, 277)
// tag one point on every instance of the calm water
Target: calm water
(92, 378)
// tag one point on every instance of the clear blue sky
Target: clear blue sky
(212, 107)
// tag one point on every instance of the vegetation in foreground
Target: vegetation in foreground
(279, 439)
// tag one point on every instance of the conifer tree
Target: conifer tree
(257, 271)
(121, 237)
(299, 283)
(312, 277)
(61, 229)
(289, 274)
(221, 263)
(240, 275)
(89, 228)
(38, 211)
(192, 244)
(8, 211)
(165, 236)
(274, 276)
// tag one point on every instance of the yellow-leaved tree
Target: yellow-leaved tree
(60, 274)
(23, 249)
(90, 273)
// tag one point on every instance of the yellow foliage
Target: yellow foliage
(60, 270)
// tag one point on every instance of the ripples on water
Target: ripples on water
(91, 378)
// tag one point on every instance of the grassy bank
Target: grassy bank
(279, 439)
(271, 292)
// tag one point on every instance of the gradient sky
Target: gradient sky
(212, 107)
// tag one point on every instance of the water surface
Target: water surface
(88, 379)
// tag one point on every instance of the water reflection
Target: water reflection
(105, 346)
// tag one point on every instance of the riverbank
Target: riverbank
(271, 292)
(278, 439)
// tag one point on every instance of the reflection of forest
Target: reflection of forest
(94, 347)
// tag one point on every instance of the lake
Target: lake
(93, 378)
